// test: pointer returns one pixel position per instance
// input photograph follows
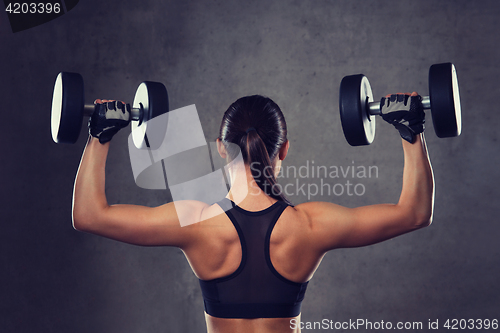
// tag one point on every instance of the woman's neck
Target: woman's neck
(245, 191)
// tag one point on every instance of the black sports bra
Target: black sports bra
(255, 289)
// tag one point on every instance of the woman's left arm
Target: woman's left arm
(133, 224)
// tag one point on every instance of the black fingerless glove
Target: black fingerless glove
(406, 113)
(107, 119)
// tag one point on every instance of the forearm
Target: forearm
(417, 195)
(89, 196)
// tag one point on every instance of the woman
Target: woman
(254, 259)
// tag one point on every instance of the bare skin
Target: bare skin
(300, 239)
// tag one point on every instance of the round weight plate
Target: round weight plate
(152, 97)
(357, 123)
(67, 108)
(445, 100)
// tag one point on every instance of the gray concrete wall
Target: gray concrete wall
(209, 53)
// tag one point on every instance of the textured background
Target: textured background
(209, 53)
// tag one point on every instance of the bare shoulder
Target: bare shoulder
(321, 224)
(306, 218)
(201, 222)
(190, 212)
(299, 240)
(318, 211)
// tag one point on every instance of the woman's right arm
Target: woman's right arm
(332, 226)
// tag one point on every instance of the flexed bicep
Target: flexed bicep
(333, 226)
(146, 226)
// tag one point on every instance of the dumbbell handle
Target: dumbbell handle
(135, 113)
(374, 107)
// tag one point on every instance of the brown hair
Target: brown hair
(257, 125)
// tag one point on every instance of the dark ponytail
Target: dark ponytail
(257, 125)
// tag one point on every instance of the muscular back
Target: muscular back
(217, 252)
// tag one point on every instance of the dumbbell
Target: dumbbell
(69, 108)
(358, 109)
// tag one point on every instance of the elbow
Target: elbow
(81, 220)
(418, 216)
(86, 215)
(424, 220)
(79, 223)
